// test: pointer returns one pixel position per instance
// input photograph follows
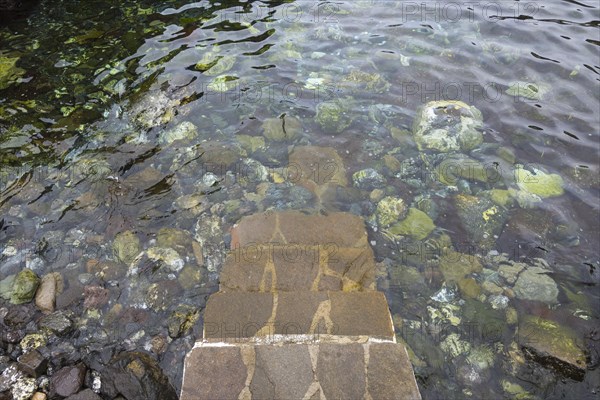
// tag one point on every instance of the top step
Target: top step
(287, 227)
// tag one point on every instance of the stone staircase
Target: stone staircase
(297, 317)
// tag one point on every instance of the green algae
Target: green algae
(417, 225)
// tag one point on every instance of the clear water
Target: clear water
(99, 82)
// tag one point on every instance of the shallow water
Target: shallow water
(95, 90)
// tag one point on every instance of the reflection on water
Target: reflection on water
(130, 126)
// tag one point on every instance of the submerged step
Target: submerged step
(295, 267)
(235, 315)
(339, 228)
(345, 369)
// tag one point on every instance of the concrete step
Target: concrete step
(235, 315)
(333, 368)
(286, 227)
(295, 267)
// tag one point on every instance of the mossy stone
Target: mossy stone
(24, 286)
(539, 183)
(456, 266)
(389, 210)
(333, 116)
(417, 225)
(126, 246)
(447, 126)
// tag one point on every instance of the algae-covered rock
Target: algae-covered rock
(213, 64)
(280, 129)
(552, 345)
(251, 143)
(458, 166)
(539, 183)
(334, 116)
(223, 83)
(528, 90)
(174, 238)
(24, 286)
(9, 72)
(416, 225)
(389, 210)
(515, 391)
(448, 126)
(455, 266)
(535, 284)
(454, 346)
(6, 287)
(169, 257)
(368, 179)
(126, 246)
(183, 318)
(364, 81)
(183, 131)
(501, 197)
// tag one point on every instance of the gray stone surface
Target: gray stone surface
(296, 267)
(213, 373)
(339, 368)
(239, 315)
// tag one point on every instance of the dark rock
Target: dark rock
(18, 316)
(33, 363)
(58, 322)
(136, 375)
(86, 394)
(68, 380)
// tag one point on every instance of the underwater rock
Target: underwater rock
(333, 116)
(182, 319)
(126, 246)
(539, 183)
(58, 323)
(528, 90)
(9, 72)
(447, 126)
(481, 218)
(455, 266)
(167, 256)
(454, 346)
(136, 375)
(368, 179)
(174, 238)
(213, 64)
(153, 109)
(360, 81)
(6, 287)
(390, 210)
(535, 284)
(24, 287)
(183, 131)
(223, 83)
(283, 128)
(552, 345)
(416, 225)
(45, 296)
(251, 143)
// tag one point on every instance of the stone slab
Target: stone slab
(235, 315)
(285, 227)
(348, 369)
(294, 267)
